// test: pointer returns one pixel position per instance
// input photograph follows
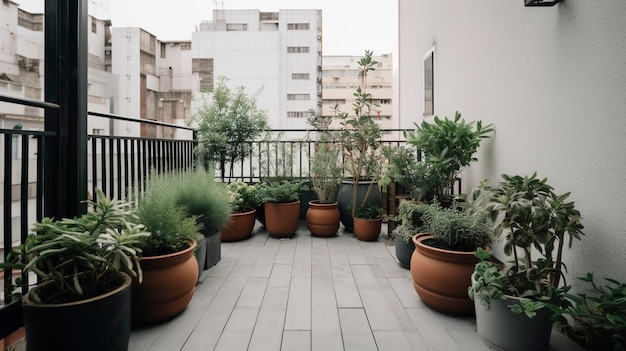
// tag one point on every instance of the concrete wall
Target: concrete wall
(553, 81)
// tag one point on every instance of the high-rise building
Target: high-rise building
(277, 54)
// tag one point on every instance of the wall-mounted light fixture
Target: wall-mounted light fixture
(541, 2)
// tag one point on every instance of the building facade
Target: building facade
(277, 55)
(552, 80)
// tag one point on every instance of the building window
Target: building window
(304, 76)
(185, 46)
(236, 27)
(297, 114)
(297, 26)
(94, 25)
(334, 102)
(298, 96)
(429, 83)
(298, 49)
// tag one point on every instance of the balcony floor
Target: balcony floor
(309, 293)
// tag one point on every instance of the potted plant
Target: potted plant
(410, 218)
(84, 266)
(282, 207)
(368, 220)
(597, 314)
(443, 261)
(227, 123)
(170, 268)
(208, 202)
(244, 200)
(510, 300)
(448, 147)
(323, 215)
(360, 143)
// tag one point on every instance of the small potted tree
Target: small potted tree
(360, 142)
(85, 267)
(171, 270)
(511, 300)
(244, 200)
(282, 207)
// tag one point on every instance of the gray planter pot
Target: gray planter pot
(201, 253)
(404, 251)
(213, 250)
(503, 329)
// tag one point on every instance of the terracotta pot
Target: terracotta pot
(239, 226)
(169, 282)
(441, 277)
(281, 219)
(344, 199)
(322, 219)
(367, 229)
(99, 323)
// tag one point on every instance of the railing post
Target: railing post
(65, 168)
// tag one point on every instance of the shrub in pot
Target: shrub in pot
(84, 266)
(208, 202)
(411, 222)
(443, 261)
(170, 268)
(282, 207)
(243, 200)
(534, 223)
(368, 220)
(448, 146)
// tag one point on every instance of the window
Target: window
(334, 102)
(298, 49)
(297, 26)
(297, 114)
(298, 96)
(236, 27)
(94, 25)
(300, 76)
(429, 83)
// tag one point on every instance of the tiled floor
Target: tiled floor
(309, 293)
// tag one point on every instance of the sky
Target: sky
(349, 26)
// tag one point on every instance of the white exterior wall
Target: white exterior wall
(125, 63)
(257, 59)
(553, 81)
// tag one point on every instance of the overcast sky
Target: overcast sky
(349, 26)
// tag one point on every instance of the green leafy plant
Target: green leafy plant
(228, 122)
(458, 229)
(411, 218)
(79, 258)
(204, 199)
(171, 226)
(276, 158)
(448, 146)
(360, 136)
(598, 314)
(326, 171)
(368, 211)
(280, 192)
(529, 218)
(243, 197)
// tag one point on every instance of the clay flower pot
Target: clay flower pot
(281, 218)
(169, 282)
(322, 219)
(441, 277)
(367, 229)
(240, 226)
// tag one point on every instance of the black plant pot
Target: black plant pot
(201, 253)
(404, 251)
(213, 250)
(344, 198)
(102, 323)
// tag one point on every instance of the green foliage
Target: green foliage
(598, 314)
(360, 135)
(284, 191)
(275, 159)
(531, 218)
(326, 171)
(460, 230)
(367, 211)
(411, 218)
(227, 124)
(171, 226)
(243, 197)
(82, 256)
(204, 199)
(448, 146)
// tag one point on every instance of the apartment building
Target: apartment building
(275, 54)
(340, 79)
